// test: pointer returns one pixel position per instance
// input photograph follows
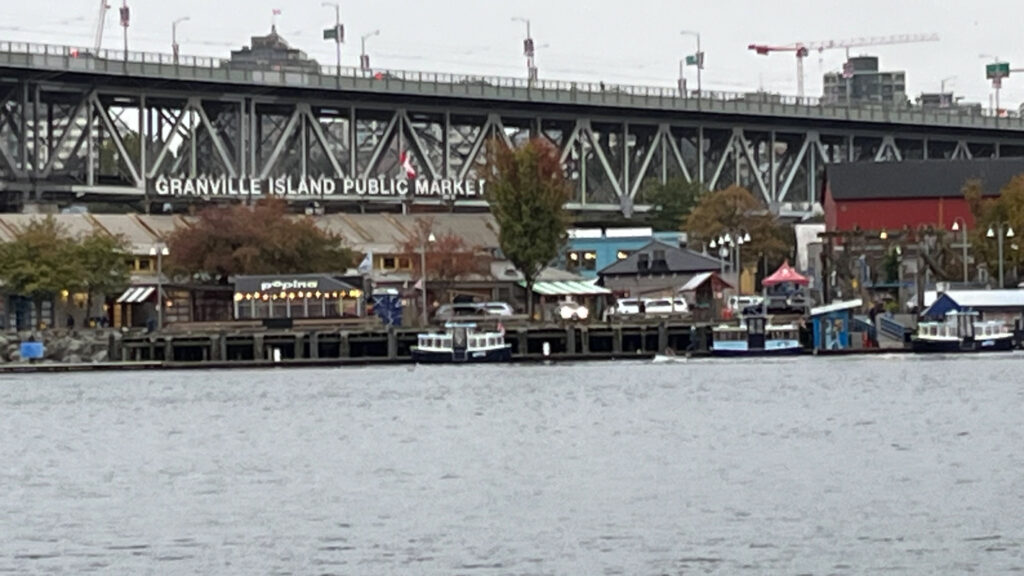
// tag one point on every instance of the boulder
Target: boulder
(72, 359)
(100, 356)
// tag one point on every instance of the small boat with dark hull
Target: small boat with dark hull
(461, 342)
(756, 337)
(962, 331)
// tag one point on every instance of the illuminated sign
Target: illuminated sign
(448, 188)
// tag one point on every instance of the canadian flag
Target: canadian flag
(406, 162)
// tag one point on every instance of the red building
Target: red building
(891, 195)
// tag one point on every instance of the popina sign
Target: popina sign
(448, 188)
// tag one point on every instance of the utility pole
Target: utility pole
(337, 34)
(174, 36)
(125, 18)
(529, 50)
(364, 58)
(698, 58)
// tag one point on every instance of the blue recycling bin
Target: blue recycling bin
(32, 350)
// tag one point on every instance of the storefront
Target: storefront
(298, 296)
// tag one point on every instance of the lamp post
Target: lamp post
(722, 253)
(174, 36)
(339, 34)
(364, 60)
(159, 250)
(529, 51)
(699, 56)
(999, 233)
(430, 239)
(960, 225)
(735, 240)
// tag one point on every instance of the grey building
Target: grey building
(271, 52)
(657, 269)
(861, 83)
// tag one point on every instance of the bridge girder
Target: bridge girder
(81, 139)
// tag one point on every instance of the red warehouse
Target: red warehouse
(877, 196)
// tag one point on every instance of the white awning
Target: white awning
(568, 288)
(136, 294)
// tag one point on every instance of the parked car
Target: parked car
(497, 309)
(448, 312)
(571, 311)
(737, 303)
(626, 306)
(657, 306)
(679, 306)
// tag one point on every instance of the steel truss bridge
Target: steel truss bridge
(104, 127)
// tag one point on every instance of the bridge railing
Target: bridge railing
(468, 81)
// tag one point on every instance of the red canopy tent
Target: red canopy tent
(784, 274)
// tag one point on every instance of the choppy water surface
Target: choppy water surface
(809, 466)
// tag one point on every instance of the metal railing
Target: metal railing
(469, 81)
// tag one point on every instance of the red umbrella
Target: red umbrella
(784, 274)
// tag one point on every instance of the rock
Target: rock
(15, 356)
(75, 346)
(100, 356)
(72, 359)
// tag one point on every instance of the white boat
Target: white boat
(668, 359)
(756, 337)
(962, 331)
(459, 343)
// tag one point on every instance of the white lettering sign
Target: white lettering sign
(393, 188)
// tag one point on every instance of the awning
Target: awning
(785, 274)
(136, 294)
(568, 288)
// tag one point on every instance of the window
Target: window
(581, 260)
(145, 264)
(623, 254)
(405, 263)
(388, 263)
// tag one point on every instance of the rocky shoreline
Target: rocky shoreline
(63, 347)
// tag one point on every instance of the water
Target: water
(808, 466)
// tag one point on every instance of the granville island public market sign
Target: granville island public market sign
(395, 188)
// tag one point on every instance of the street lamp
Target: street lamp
(998, 233)
(159, 250)
(699, 56)
(529, 51)
(338, 33)
(963, 240)
(364, 59)
(430, 239)
(174, 36)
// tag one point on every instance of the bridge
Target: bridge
(116, 126)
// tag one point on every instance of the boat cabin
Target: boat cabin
(461, 342)
(756, 335)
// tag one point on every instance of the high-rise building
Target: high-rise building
(271, 52)
(861, 83)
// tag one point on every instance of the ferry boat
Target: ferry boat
(459, 343)
(756, 337)
(962, 331)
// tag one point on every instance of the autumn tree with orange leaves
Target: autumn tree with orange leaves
(448, 258)
(236, 240)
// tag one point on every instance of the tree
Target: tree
(671, 202)
(226, 241)
(105, 269)
(448, 257)
(1008, 210)
(735, 209)
(527, 192)
(40, 262)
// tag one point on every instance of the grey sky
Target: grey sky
(628, 42)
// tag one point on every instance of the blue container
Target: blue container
(32, 350)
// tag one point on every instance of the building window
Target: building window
(388, 263)
(405, 263)
(623, 254)
(581, 260)
(145, 264)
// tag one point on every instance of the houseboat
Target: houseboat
(459, 343)
(756, 337)
(962, 331)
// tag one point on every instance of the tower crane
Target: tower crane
(98, 40)
(803, 49)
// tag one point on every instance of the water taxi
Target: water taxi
(756, 337)
(461, 342)
(962, 331)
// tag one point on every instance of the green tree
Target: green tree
(671, 202)
(105, 269)
(1007, 209)
(226, 241)
(735, 209)
(40, 261)
(527, 192)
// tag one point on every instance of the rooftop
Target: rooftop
(918, 178)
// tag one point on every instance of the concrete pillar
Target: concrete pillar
(168, 349)
(662, 337)
(522, 341)
(297, 340)
(584, 340)
(258, 353)
(617, 339)
(570, 340)
(392, 343)
(314, 345)
(222, 347)
(344, 346)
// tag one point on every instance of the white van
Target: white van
(738, 303)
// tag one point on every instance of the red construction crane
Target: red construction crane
(803, 49)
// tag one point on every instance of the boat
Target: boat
(755, 337)
(669, 357)
(461, 342)
(962, 331)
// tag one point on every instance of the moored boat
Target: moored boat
(461, 342)
(962, 331)
(756, 337)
